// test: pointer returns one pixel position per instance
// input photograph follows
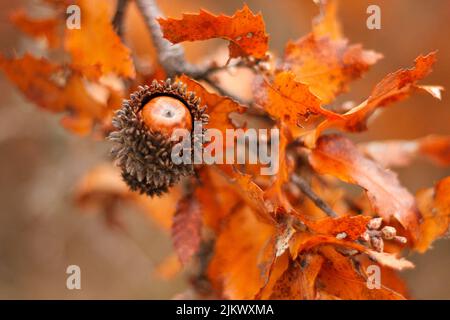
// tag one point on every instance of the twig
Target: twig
(118, 17)
(306, 189)
(170, 56)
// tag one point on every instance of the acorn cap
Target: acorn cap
(143, 152)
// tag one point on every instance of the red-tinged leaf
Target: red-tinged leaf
(288, 100)
(244, 30)
(338, 156)
(394, 87)
(95, 48)
(434, 204)
(399, 153)
(37, 28)
(186, 228)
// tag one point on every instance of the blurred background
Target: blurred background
(42, 232)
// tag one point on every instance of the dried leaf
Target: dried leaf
(338, 277)
(324, 60)
(288, 100)
(353, 227)
(219, 108)
(95, 48)
(338, 156)
(434, 204)
(400, 153)
(298, 281)
(394, 87)
(40, 81)
(244, 30)
(186, 228)
(37, 28)
(234, 267)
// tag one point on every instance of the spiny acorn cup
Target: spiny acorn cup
(144, 126)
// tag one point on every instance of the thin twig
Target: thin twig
(118, 17)
(171, 56)
(306, 189)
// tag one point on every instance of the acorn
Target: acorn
(144, 126)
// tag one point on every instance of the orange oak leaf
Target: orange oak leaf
(103, 188)
(399, 153)
(275, 192)
(394, 87)
(338, 277)
(288, 100)
(253, 195)
(244, 30)
(352, 226)
(186, 228)
(326, 23)
(216, 195)
(37, 28)
(338, 156)
(324, 60)
(298, 281)
(434, 204)
(219, 108)
(44, 83)
(95, 48)
(234, 267)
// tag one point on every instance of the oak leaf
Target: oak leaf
(338, 156)
(394, 87)
(338, 277)
(434, 204)
(244, 30)
(95, 48)
(44, 83)
(234, 267)
(324, 60)
(288, 100)
(45, 28)
(400, 153)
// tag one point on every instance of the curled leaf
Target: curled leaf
(338, 156)
(394, 87)
(434, 204)
(399, 153)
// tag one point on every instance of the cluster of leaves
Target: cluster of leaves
(296, 235)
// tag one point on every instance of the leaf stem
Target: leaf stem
(307, 190)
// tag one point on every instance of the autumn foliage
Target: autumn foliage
(299, 234)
